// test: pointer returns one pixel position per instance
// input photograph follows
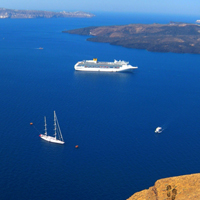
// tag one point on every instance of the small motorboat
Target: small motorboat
(158, 130)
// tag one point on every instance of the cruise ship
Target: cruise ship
(94, 65)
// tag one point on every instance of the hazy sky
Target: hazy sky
(189, 7)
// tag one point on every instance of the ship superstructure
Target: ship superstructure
(94, 65)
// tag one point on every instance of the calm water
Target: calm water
(111, 116)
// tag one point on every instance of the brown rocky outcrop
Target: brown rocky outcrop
(185, 187)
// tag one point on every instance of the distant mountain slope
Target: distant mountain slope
(172, 37)
(11, 13)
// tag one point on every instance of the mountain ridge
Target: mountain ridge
(27, 14)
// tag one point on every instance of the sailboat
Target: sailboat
(58, 138)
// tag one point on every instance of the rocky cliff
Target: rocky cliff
(185, 187)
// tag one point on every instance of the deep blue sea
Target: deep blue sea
(111, 116)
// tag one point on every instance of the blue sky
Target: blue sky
(188, 7)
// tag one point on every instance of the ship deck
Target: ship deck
(99, 64)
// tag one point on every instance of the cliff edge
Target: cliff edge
(185, 187)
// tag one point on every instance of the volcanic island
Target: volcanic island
(173, 37)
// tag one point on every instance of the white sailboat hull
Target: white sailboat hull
(51, 139)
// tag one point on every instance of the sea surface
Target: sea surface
(111, 116)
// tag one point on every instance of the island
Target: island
(11, 13)
(173, 37)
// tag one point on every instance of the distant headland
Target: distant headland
(11, 13)
(172, 37)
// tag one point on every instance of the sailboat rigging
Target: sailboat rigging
(58, 138)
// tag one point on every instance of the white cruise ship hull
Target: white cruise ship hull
(90, 65)
(105, 69)
(51, 139)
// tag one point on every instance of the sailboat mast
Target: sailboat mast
(55, 123)
(45, 126)
(59, 131)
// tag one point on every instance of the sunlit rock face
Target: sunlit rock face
(175, 188)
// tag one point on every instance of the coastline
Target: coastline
(173, 37)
